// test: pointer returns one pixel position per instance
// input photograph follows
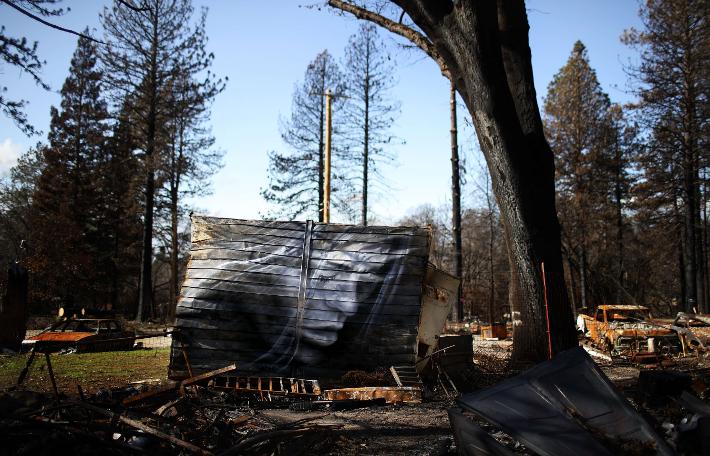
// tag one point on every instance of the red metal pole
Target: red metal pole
(547, 310)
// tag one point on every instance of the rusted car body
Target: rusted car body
(694, 329)
(628, 330)
(87, 334)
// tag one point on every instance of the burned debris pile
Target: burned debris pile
(198, 415)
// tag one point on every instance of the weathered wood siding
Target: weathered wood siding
(300, 298)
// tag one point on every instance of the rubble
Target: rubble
(189, 416)
(392, 395)
(564, 406)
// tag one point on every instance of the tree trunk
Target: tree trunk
(170, 314)
(689, 245)
(699, 247)
(573, 285)
(583, 278)
(619, 225)
(145, 297)
(484, 47)
(492, 281)
(366, 150)
(704, 234)
(456, 203)
(321, 157)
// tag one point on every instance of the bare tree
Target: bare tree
(370, 112)
(296, 176)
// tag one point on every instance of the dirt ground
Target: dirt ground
(421, 429)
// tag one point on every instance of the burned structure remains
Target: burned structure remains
(307, 299)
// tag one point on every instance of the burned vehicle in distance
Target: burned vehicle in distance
(694, 329)
(628, 330)
(83, 335)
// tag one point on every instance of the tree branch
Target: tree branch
(421, 41)
(48, 24)
(131, 6)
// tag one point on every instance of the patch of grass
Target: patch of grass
(92, 371)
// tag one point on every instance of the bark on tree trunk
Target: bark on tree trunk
(485, 46)
(689, 244)
(456, 202)
(699, 251)
(366, 150)
(573, 285)
(145, 297)
(170, 314)
(619, 225)
(583, 278)
(704, 233)
(321, 157)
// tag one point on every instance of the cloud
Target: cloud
(9, 153)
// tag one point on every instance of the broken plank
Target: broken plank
(170, 386)
(208, 375)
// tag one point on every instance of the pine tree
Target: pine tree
(66, 205)
(119, 188)
(189, 159)
(149, 43)
(673, 83)
(577, 116)
(16, 196)
(370, 112)
(296, 176)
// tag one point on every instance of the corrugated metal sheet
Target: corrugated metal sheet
(285, 297)
(563, 406)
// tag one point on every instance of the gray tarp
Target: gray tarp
(300, 297)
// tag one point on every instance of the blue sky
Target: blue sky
(264, 48)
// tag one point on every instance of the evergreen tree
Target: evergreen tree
(296, 177)
(149, 43)
(673, 80)
(119, 188)
(64, 230)
(578, 124)
(16, 197)
(189, 160)
(370, 112)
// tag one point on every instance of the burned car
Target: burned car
(628, 330)
(694, 330)
(86, 334)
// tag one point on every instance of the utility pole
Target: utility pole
(326, 168)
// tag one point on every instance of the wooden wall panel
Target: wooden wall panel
(286, 298)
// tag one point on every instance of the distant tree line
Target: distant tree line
(127, 146)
